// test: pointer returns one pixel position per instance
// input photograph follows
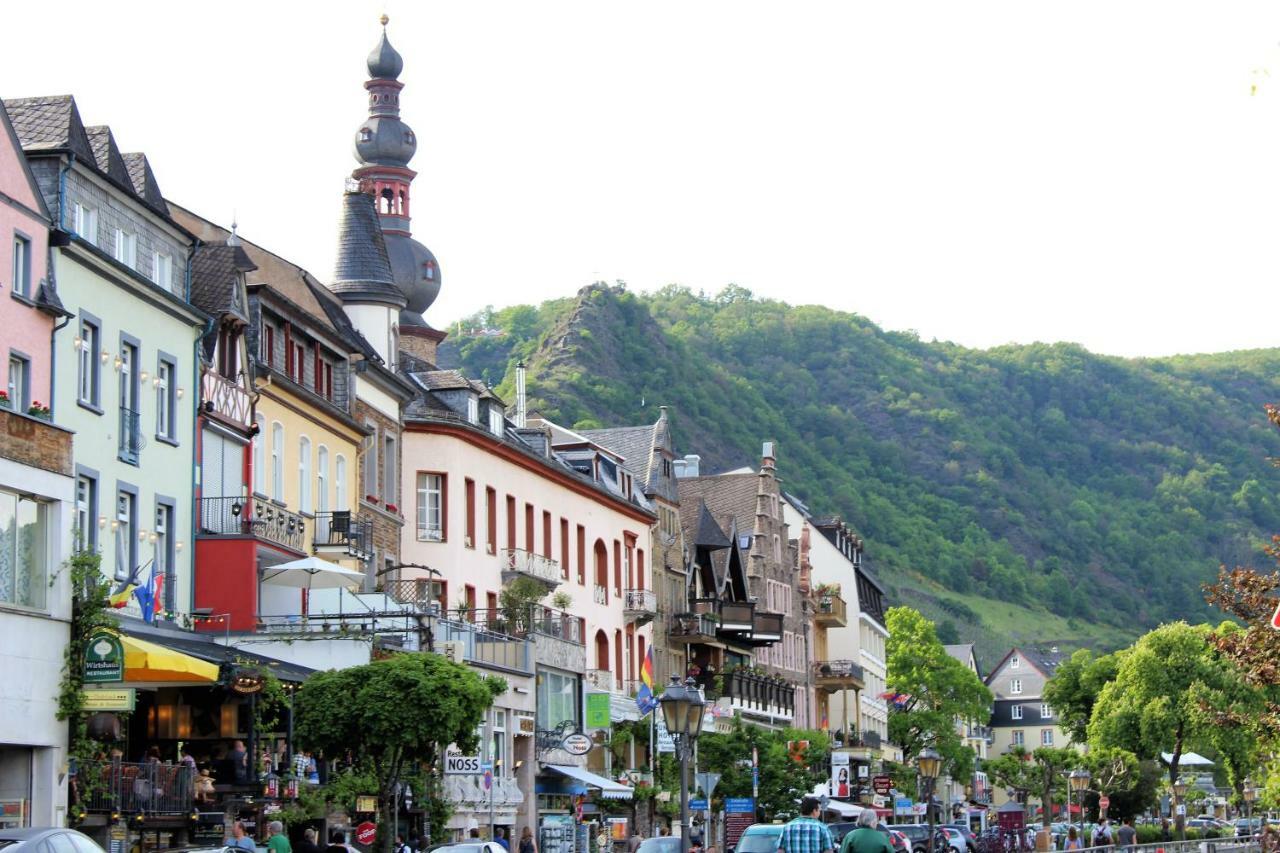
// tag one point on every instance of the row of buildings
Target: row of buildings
(278, 477)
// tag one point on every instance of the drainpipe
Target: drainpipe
(195, 432)
(49, 275)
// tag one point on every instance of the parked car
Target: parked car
(918, 835)
(840, 829)
(758, 838)
(1246, 826)
(47, 839)
(900, 842)
(955, 839)
(481, 847)
(660, 844)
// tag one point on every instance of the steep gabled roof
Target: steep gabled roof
(641, 447)
(143, 179)
(37, 198)
(964, 653)
(107, 154)
(215, 279)
(49, 123)
(731, 495)
(1046, 662)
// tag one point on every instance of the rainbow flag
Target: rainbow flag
(645, 700)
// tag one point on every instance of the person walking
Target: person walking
(526, 841)
(240, 839)
(1127, 835)
(308, 843)
(866, 838)
(1073, 840)
(277, 842)
(500, 836)
(806, 834)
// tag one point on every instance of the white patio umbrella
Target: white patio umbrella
(311, 573)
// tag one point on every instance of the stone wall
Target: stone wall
(31, 441)
(387, 526)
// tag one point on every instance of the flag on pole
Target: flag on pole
(148, 595)
(645, 700)
(120, 596)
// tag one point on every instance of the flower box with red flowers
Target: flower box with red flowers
(373, 499)
(393, 508)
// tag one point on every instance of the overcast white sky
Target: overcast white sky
(980, 172)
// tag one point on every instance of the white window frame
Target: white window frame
(162, 554)
(340, 482)
(430, 507)
(390, 480)
(473, 409)
(88, 364)
(126, 519)
(1015, 686)
(166, 399)
(19, 383)
(1046, 713)
(86, 222)
(1014, 663)
(86, 512)
(260, 456)
(277, 461)
(1046, 737)
(126, 248)
(304, 474)
(495, 421)
(24, 581)
(162, 269)
(1018, 738)
(322, 479)
(1015, 712)
(22, 264)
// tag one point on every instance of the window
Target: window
(582, 555)
(1014, 663)
(268, 353)
(564, 548)
(473, 410)
(1046, 713)
(340, 482)
(86, 529)
(495, 421)
(126, 544)
(259, 456)
(557, 698)
(1015, 712)
(390, 467)
(24, 552)
(431, 507)
(369, 460)
(491, 519)
(21, 265)
(498, 750)
(19, 387)
(1018, 738)
(128, 376)
(304, 474)
(1046, 737)
(277, 462)
(166, 400)
(87, 364)
(546, 534)
(529, 544)
(130, 444)
(471, 512)
(296, 367)
(164, 555)
(162, 270)
(322, 479)
(1015, 686)
(127, 248)
(324, 376)
(86, 222)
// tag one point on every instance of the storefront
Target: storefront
(569, 818)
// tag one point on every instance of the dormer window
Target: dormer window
(429, 270)
(495, 421)
(473, 410)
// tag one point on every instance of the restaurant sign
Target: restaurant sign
(123, 699)
(103, 659)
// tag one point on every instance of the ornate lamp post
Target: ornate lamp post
(1078, 779)
(682, 710)
(1250, 794)
(1179, 791)
(929, 763)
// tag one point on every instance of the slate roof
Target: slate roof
(726, 495)
(143, 179)
(444, 380)
(1046, 661)
(708, 533)
(107, 154)
(964, 653)
(215, 278)
(362, 270)
(641, 447)
(49, 123)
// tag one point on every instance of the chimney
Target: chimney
(767, 455)
(687, 467)
(677, 468)
(420, 342)
(521, 398)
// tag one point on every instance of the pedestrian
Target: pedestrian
(1165, 834)
(634, 843)
(308, 843)
(1127, 835)
(240, 839)
(277, 842)
(337, 843)
(806, 834)
(400, 846)
(526, 841)
(500, 836)
(866, 838)
(1102, 834)
(1073, 840)
(239, 763)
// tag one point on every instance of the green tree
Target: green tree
(1042, 772)
(940, 691)
(1074, 688)
(396, 715)
(783, 779)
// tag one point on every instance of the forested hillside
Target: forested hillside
(1105, 489)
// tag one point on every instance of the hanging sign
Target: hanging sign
(103, 659)
(598, 716)
(576, 744)
(110, 700)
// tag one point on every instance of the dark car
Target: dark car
(918, 835)
(46, 839)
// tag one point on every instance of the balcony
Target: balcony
(639, 605)
(127, 788)
(759, 694)
(252, 517)
(478, 644)
(223, 398)
(131, 440)
(600, 594)
(518, 563)
(338, 534)
(835, 675)
(831, 612)
(735, 617)
(691, 628)
(766, 629)
(559, 625)
(600, 679)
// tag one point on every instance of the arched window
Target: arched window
(277, 461)
(602, 568)
(340, 482)
(602, 650)
(304, 474)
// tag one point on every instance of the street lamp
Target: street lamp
(682, 710)
(1179, 791)
(1250, 794)
(929, 763)
(1078, 779)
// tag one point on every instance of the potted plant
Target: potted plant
(4, 400)
(827, 593)
(562, 600)
(39, 410)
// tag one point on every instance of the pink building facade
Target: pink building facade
(28, 308)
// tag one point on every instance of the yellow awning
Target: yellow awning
(149, 662)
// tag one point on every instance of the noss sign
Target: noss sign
(462, 765)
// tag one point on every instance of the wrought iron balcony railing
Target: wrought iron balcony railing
(131, 440)
(516, 562)
(838, 674)
(240, 516)
(339, 532)
(639, 604)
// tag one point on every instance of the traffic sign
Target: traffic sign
(697, 805)
(366, 833)
(739, 805)
(488, 779)
(1182, 809)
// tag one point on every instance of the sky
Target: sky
(981, 172)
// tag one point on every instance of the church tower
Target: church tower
(384, 145)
